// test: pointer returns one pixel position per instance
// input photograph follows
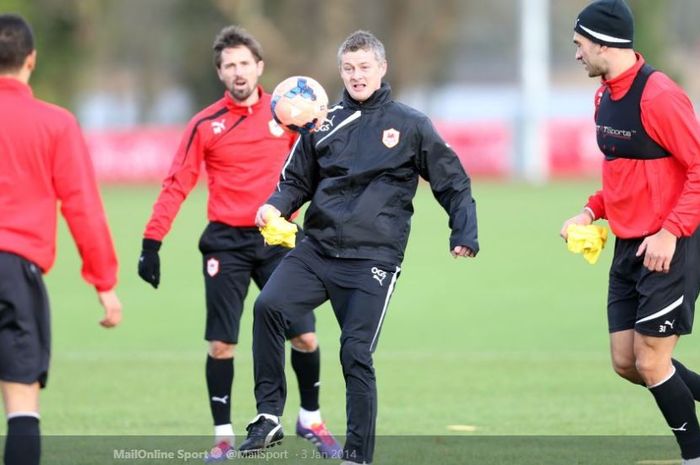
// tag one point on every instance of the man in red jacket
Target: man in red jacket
(649, 135)
(44, 163)
(243, 150)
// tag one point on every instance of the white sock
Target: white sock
(23, 414)
(308, 418)
(224, 433)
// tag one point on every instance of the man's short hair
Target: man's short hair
(235, 36)
(16, 42)
(362, 40)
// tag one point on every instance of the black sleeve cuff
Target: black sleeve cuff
(151, 245)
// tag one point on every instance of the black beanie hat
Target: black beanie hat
(607, 22)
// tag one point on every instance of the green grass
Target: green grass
(512, 343)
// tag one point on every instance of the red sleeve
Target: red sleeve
(596, 203)
(81, 206)
(668, 118)
(182, 177)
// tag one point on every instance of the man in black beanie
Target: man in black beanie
(647, 130)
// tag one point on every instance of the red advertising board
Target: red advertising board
(485, 148)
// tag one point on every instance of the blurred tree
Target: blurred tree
(190, 50)
(302, 36)
(298, 37)
(485, 42)
(419, 37)
(651, 26)
(151, 61)
(57, 30)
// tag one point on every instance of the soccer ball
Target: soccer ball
(299, 104)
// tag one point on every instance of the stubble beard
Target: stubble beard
(595, 71)
(241, 94)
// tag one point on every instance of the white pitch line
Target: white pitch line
(462, 428)
(658, 462)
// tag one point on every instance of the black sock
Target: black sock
(690, 378)
(307, 366)
(678, 407)
(23, 443)
(219, 382)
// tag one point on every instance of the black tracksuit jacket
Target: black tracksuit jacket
(360, 171)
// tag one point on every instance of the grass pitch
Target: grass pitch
(513, 343)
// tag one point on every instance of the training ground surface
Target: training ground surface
(513, 343)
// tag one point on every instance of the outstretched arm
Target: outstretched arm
(451, 187)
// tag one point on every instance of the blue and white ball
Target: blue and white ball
(299, 104)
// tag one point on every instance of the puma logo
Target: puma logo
(662, 328)
(218, 126)
(379, 275)
(223, 400)
(681, 428)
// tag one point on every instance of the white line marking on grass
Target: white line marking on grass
(462, 428)
(658, 462)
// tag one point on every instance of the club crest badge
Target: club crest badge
(390, 137)
(212, 267)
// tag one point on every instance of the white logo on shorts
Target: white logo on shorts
(379, 275)
(662, 328)
(212, 267)
(680, 428)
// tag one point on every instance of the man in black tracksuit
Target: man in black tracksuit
(360, 171)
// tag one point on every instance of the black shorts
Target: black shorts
(25, 323)
(231, 257)
(654, 303)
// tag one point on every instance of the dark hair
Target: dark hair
(235, 36)
(16, 42)
(362, 40)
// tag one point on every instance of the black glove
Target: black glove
(149, 262)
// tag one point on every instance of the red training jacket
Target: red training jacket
(243, 150)
(639, 197)
(44, 161)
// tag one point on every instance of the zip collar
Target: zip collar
(619, 85)
(237, 109)
(376, 100)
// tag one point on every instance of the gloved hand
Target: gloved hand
(149, 262)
